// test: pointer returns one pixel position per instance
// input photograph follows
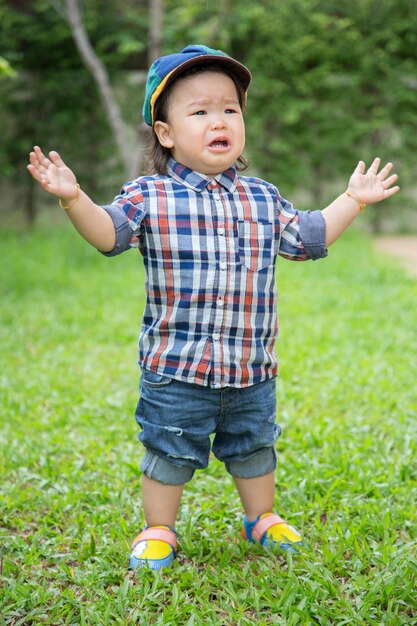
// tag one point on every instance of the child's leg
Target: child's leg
(257, 494)
(160, 502)
(260, 524)
(155, 546)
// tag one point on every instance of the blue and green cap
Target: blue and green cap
(165, 69)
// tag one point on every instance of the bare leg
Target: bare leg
(257, 494)
(160, 502)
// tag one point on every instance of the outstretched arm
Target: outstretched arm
(54, 176)
(364, 188)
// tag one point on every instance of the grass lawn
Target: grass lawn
(69, 458)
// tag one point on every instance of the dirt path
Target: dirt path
(401, 247)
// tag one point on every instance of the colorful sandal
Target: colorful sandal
(271, 530)
(153, 548)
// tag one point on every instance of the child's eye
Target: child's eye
(199, 113)
(229, 111)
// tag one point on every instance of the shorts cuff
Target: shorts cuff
(258, 464)
(161, 470)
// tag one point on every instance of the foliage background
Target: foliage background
(333, 82)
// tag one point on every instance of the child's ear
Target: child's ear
(163, 132)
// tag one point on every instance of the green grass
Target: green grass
(70, 485)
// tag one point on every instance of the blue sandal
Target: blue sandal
(270, 530)
(153, 548)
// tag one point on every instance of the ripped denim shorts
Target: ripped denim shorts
(177, 420)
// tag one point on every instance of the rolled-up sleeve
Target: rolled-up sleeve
(302, 233)
(313, 234)
(127, 212)
(122, 229)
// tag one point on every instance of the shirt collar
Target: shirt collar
(199, 182)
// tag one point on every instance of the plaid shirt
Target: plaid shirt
(209, 247)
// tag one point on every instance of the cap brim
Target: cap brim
(238, 70)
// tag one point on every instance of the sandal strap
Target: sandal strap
(265, 524)
(160, 534)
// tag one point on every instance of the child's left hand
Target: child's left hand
(373, 186)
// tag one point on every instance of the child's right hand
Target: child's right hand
(53, 175)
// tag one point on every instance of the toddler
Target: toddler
(209, 239)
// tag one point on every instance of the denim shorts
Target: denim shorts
(178, 419)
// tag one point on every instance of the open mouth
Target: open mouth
(219, 144)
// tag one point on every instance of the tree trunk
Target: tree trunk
(156, 10)
(121, 133)
(99, 72)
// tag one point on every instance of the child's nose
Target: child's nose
(219, 122)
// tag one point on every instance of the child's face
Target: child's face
(205, 129)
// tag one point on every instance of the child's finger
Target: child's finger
(42, 159)
(385, 171)
(389, 181)
(37, 175)
(375, 165)
(36, 165)
(33, 158)
(391, 192)
(34, 172)
(360, 168)
(56, 159)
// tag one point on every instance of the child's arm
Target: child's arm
(92, 222)
(367, 189)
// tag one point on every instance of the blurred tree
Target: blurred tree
(155, 39)
(53, 100)
(333, 82)
(156, 12)
(72, 15)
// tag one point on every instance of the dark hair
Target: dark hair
(157, 157)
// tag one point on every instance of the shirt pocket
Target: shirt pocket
(255, 244)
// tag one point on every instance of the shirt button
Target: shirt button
(223, 265)
(221, 231)
(220, 302)
(216, 336)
